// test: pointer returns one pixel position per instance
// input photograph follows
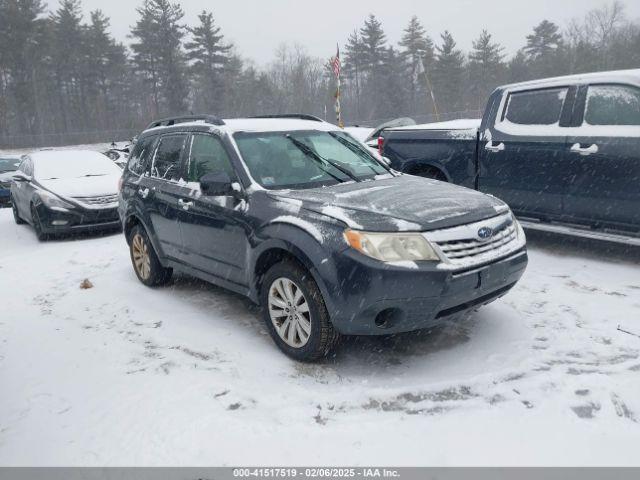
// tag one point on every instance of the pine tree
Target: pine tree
(418, 53)
(448, 72)
(373, 56)
(159, 56)
(106, 66)
(22, 46)
(67, 58)
(544, 40)
(545, 50)
(373, 44)
(209, 56)
(486, 68)
(353, 59)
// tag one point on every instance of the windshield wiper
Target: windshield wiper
(358, 151)
(94, 175)
(321, 160)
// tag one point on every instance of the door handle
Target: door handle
(143, 192)
(584, 151)
(184, 204)
(494, 148)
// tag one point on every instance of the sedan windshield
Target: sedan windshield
(9, 164)
(306, 159)
(71, 164)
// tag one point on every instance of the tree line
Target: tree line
(63, 75)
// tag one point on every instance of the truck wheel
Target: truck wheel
(145, 261)
(295, 313)
(16, 215)
(429, 172)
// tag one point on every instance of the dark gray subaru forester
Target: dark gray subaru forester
(297, 215)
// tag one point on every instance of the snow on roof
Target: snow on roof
(462, 124)
(622, 76)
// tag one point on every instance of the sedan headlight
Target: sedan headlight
(51, 201)
(391, 247)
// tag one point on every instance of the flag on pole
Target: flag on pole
(420, 71)
(335, 66)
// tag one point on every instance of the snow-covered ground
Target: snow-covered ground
(120, 374)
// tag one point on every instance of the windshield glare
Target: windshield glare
(276, 161)
(9, 164)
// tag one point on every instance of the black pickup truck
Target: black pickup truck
(564, 153)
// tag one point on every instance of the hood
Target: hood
(404, 203)
(83, 186)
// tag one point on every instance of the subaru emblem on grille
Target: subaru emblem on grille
(485, 233)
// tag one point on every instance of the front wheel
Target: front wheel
(145, 261)
(37, 225)
(295, 313)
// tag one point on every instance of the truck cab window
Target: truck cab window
(536, 107)
(613, 105)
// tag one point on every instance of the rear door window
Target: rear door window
(166, 164)
(612, 105)
(536, 107)
(207, 155)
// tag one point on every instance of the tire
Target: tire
(145, 261)
(16, 215)
(37, 225)
(311, 320)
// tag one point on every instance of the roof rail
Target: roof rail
(299, 116)
(165, 122)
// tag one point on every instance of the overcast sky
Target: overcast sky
(258, 27)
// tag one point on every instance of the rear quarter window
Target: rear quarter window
(140, 155)
(537, 107)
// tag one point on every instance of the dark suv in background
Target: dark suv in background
(298, 216)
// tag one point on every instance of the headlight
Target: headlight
(519, 229)
(391, 247)
(51, 201)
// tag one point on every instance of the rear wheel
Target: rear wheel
(16, 215)
(145, 261)
(37, 225)
(295, 313)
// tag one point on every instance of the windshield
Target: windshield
(9, 164)
(306, 159)
(61, 165)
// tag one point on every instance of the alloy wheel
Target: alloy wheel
(289, 312)
(141, 258)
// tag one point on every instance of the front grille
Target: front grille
(98, 201)
(470, 248)
(461, 247)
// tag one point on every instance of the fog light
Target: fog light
(59, 222)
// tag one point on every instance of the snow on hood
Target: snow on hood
(83, 187)
(404, 203)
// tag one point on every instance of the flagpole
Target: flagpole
(336, 71)
(433, 97)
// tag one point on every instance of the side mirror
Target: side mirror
(216, 184)
(21, 177)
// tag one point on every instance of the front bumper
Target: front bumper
(77, 219)
(377, 299)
